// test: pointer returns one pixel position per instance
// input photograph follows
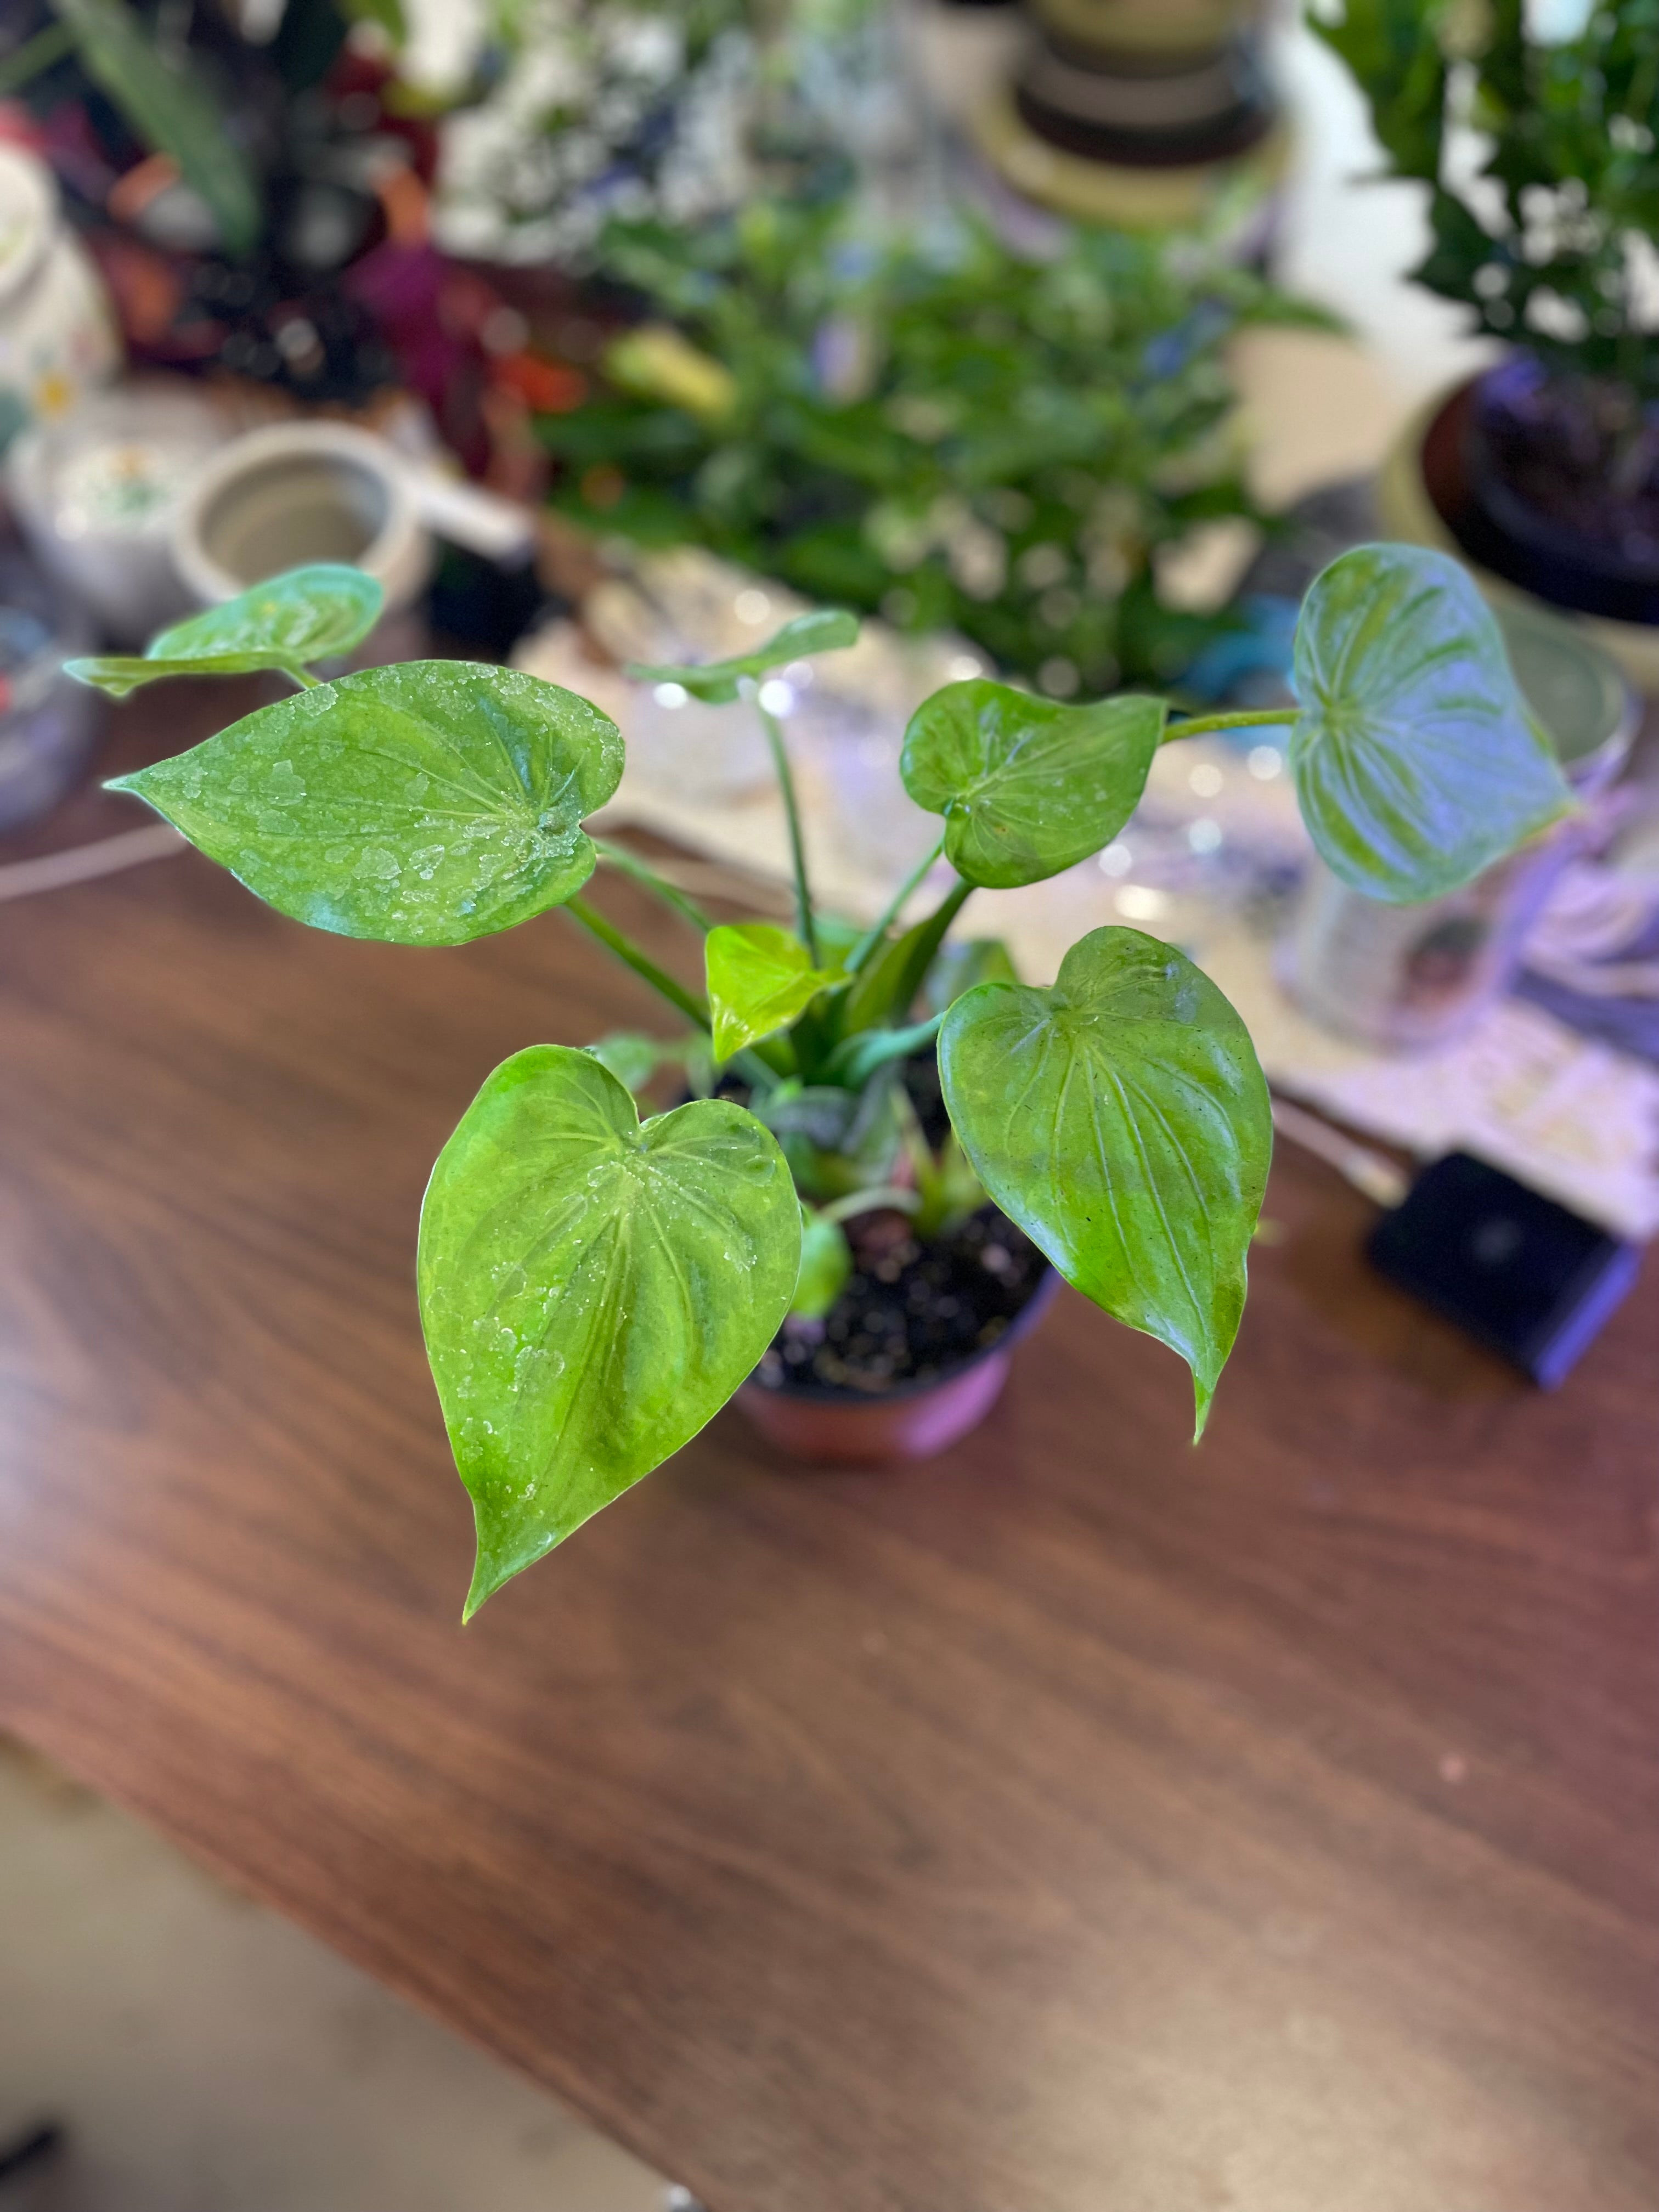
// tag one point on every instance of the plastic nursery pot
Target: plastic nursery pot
(844, 1427)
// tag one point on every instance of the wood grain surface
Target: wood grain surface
(1080, 1823)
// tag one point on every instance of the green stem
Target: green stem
(856, 1059)
(297, 675)
(869, 1201)
(693, 1008)
(1262, 718)
(34, 56)
(872, 939)
(641, 871)
(809, 935)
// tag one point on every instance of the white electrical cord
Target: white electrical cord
(1369, 1172)
(130, 849)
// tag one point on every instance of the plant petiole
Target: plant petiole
(885, 1197)
(1255, 718)
(690, 1003)
(805, 924)
(297, 676)
(630, 864)
(870, 942)
(856, 1059)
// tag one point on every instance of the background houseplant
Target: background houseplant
(1541, 154)
(933, 426)
(594, 1288)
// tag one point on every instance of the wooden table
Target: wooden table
(1080, 1823)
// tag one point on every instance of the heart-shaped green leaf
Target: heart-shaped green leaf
(760, 978)
(1027, 786)
(1122, 1119)
(824, 629)
(289, 621)
(1416, 762)
(426, 804)
(592, 1289)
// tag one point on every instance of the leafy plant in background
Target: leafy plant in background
(1541, 156)
(141, 59)
(940, 429)
(594, 1287)
(1547, 234)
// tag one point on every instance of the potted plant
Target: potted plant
(1541, 157)
(935, 428)
(593, 1287)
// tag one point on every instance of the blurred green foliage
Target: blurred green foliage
(936, 429)
(1548, 234)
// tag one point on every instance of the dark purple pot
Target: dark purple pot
(1474, 467)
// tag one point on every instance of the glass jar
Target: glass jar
(47, 721)
(1412, 978)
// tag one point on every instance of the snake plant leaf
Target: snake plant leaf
(1416, 762)
(290, 621)
(1122, 1119)
(1027, 786)
(822, 629)
(426, 804)
(171, 111)
(592, 1289)
(760, 978)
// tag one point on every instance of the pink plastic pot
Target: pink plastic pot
(841, 1428)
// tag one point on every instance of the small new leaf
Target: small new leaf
(1122, 1119)
(826, 1261)
(426, 804)
(289, 621)
(760, 978)
(824, 629)
(592, 1289)
(1416, 762)
(1027, 786)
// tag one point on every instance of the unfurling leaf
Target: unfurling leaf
(824, 629)
(760, 978)
(826, 1261)
(426, 804)
(290, 621)
(1122, 1119)
(1416, 762)
(1026, 787)
(593, 1289)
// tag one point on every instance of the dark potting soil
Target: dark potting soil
(910, 1313)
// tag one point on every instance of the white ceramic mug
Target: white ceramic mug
(305, 491)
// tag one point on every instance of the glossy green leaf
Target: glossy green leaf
(171, 110)
(760, 978)
(826, 1261)
(290, 621)
(592, 1289)
(426, 804)
(824, 629)
(1416, 762)
(1122, 1119)
(1027, 786)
